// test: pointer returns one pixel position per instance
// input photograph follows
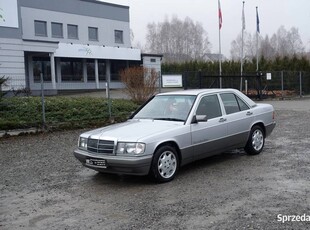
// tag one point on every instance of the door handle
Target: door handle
(249, 113)
(222, 119)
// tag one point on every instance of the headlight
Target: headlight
(130, 148)
(83, 143)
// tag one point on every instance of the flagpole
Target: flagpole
(257, 32)
(220, 58)
(220, 47)
(242, 35)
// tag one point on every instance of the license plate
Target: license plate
(97, 162)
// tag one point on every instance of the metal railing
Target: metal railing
(265, 84)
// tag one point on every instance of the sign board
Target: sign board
(268, 75)
(172, 81)
(8, 13)
(99, 52)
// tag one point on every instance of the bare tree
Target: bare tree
(178, 40)
(132, 36)
(249, 46)
(287, 43)
(267, 49)
(282, 43)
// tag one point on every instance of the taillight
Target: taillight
(273, 115)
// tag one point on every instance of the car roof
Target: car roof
(196, 92)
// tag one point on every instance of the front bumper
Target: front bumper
(116, 164)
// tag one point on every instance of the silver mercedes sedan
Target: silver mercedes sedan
(176, 128)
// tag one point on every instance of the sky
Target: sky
(272, 15)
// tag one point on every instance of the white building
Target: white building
(75, 44)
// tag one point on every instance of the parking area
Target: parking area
(42, 185)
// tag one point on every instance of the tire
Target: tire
(256, 141)
(165, 164)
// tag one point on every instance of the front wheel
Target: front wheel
(256, 141)
(165, 164)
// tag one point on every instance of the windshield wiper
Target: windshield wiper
(168, 119)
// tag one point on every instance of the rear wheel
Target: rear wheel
(165, 164)
(256, 141)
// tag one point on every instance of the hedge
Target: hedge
(61, 112)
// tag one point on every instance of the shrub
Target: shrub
(140, 83)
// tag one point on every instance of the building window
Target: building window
(40, 28)
(101, 70)
(116, 67)
(71, 69)
(41, 65)
(73, 32)
(90, 70)
(57, 31)
(118, 34)
(153, 60)
(92, 34)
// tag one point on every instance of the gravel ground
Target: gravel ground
(42, 186)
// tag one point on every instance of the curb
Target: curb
(18, 132)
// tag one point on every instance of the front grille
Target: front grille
(100, 146)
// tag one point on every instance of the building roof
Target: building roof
(151, 55)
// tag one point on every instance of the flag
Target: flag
(243, 18)
(257, 21)
(220, 15)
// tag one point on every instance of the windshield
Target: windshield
(167, 107)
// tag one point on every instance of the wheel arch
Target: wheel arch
(172, 144)
(260, 124)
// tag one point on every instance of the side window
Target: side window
(242, 104)
(232, 103)
(210, 106)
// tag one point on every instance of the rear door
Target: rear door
(239, 119)
(208, 137)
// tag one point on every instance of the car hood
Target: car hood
(133, 130)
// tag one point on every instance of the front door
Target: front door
(208, 137)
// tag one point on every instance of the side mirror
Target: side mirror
(199, 118)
